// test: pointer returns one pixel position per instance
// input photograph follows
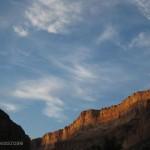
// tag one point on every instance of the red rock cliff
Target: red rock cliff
(133, 103)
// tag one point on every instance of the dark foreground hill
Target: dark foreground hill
(12, 136)
(125, 126)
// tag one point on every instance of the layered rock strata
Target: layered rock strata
(107, 118)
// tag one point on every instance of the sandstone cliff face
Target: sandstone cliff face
(108, 120)
(11, 134)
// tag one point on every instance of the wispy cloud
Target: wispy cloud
(9, 107)
(53, 111)
(142, 40)
(52, 15)
(20, 31)
(80, 80)
(87, 79)
(46, 90)
(75, 65)
(144, 6)
(108, 34)
(83, 73)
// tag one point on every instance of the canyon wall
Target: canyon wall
(128, 107)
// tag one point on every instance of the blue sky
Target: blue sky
(59, 57)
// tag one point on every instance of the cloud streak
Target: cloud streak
(45, 90)
(20, 31)
(144, 7)
(53, 16)
(9, 107)
(109, 34)
(142, 40)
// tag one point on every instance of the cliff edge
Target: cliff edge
(115, 120)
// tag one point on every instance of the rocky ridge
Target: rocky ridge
(12, 136)
(109, 118)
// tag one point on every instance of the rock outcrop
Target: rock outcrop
(12, 136)
(127, 122)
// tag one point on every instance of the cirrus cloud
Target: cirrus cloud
(108, 34)
(142, 40)
(144, 6)
(45, 90)
(52, 15)
(20, 31)
(9, 107)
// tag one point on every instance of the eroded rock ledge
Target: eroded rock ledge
(133, 103)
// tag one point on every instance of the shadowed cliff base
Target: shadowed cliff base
(12, 136)
(120, 127)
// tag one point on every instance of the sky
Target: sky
(60, 57)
